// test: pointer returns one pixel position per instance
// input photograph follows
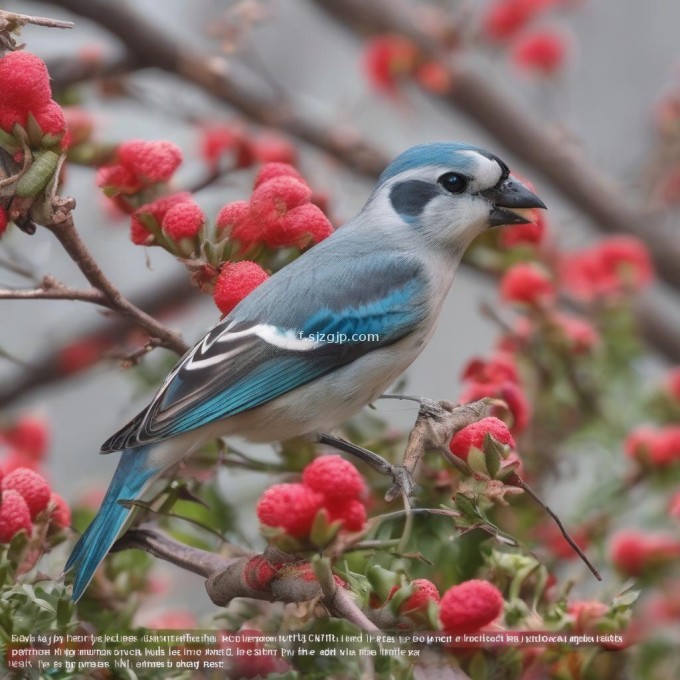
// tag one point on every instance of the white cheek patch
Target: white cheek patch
(486, 172)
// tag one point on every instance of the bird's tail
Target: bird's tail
(134, 470)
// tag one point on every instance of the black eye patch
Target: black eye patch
(411, 196)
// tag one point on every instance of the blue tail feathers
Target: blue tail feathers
(133, 472)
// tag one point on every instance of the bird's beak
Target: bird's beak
(509, 199)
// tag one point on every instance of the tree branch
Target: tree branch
(12, 18)
(65, 231)
(51, 289)
(227, 578)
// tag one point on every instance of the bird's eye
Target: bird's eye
(454, 182)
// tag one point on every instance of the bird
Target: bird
(324, 336)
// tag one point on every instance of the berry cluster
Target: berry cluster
(24, 444)
(243, 148)
(635, 553)
(498, 378)
(508, 24)
(330, 486)
(613, 267)
(28, 113)
(391, 60)
(488, 437)
(33, 136)
(138, 165)
(654, 447)
(25, 497)
(279, 214)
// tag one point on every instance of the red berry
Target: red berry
(674, 505)
(524, 234)
(82, 353)
(32, 486)
(658, 448)
(270, 170)
(299, 227)
(672, 383)
(424, 591)
(30, 435)
(469, 606)
(24, 81)
(542, 52)
(509, 392)
(51, 119)
(184, 220)
(473, 435)
(350, 511)
(14, 515)
(633, 552)
(275, 198)
(218, 139)
(586, 614)
(434, 77)
(527, 283)
(334, 477)
(157, 210)
(236, 281)
(614, 266)
(150, 161)
(234, 221)
(272, 148)
(581, 337)
(292, 507)
(387, 58)
(499, 368)
(4, 220)
(61, 513)
(504, 19)
(116, 179)
(14, 460)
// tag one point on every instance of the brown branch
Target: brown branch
(51, 289)
(18, 20)
(227, 578)
(66, 233)
(529, 139)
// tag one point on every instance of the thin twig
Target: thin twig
(51, 289)
(517, 481)
(23, 19)
(66, 233)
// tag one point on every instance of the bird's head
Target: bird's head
(450, 192)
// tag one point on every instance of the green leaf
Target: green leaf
(466, 506)
(477, 462)
(494, 451)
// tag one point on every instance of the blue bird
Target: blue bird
(323, 337)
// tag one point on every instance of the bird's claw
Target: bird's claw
(403, 484)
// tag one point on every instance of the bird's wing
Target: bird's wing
(273, 345)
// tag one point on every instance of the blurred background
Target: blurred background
(594, 84)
